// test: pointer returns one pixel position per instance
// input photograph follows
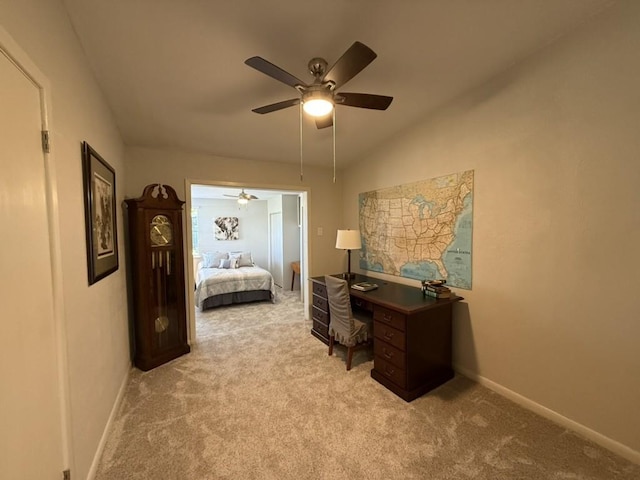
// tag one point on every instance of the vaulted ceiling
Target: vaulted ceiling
(173, 71)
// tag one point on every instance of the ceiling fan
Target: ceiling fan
(242, 197)
(320, 97)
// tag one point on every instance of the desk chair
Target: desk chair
(295, 267)
(344, 328)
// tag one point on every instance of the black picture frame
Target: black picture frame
(100, 214)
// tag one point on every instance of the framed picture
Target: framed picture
(226, 228)
(100, 214)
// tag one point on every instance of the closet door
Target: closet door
(30, 418)
(275, 248)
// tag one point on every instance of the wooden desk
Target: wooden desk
(412, 333)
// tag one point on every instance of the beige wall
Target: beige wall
(95, 318)
(552, 319)
(145, 166)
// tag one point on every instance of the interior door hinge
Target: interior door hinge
(66, 475)
(45, 141)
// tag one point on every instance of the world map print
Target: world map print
(421, 230)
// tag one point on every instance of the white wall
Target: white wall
(95, 319)
(287, 205)
(291, 236)
(553, 315)
(252, 226)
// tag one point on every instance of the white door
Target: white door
(275, 247)
(30, 415)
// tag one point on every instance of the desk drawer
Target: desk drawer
(321, 328)
(390, 354)
(389, 335)
(320, 316)
(389, 317)
(360, 304)
(321, 303)
(320, 289)
(390, 371)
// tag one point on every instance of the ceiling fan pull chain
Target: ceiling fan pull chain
(300, 141)
(334, 145)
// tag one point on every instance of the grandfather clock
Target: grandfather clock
(157, 267)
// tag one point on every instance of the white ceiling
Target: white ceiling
(173, 71)
(221, 193)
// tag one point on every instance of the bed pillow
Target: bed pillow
(228, 263)
(212, 259)
(244, 258)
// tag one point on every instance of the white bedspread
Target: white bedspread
(216, 281)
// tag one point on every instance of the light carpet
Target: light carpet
(258, 398)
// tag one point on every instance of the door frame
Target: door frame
(10, 49)
(301, 190)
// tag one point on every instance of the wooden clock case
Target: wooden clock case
(157, 272)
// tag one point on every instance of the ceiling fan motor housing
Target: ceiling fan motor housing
(318, 67)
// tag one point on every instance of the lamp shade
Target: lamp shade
(348, 240)
(317, 103)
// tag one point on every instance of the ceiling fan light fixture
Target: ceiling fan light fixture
(317, 103)
(243, 200)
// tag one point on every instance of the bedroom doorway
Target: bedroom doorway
(272, 227)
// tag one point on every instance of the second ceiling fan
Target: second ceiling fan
(242, 197)
(320, 97)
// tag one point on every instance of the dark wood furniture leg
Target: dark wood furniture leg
(349, 357)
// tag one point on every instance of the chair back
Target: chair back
(339, 307)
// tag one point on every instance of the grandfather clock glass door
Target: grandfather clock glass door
(163, 293)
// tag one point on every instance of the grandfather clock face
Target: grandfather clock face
(161, 231)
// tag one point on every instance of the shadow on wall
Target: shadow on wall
(464, 344)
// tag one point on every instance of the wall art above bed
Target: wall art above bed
(226, 228)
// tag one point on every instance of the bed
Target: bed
(229, 283)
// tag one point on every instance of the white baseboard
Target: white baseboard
(606, 442)
(107, 428)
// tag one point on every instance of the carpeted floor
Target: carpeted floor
(258, 398)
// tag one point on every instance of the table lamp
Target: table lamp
(348, 240)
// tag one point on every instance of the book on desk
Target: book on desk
(364, 286)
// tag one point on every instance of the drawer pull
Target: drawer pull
(387, 318)
(388, 335)
(387, 353)
(389, 371)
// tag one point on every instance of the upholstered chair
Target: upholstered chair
(344, 327)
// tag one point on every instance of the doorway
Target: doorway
(281, 240)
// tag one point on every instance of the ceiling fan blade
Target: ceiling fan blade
(277, 106)
(324, 122)
(232, 196)
(352, 62)
(273, 71)
(363, 100)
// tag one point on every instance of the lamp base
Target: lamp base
(348, 276)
